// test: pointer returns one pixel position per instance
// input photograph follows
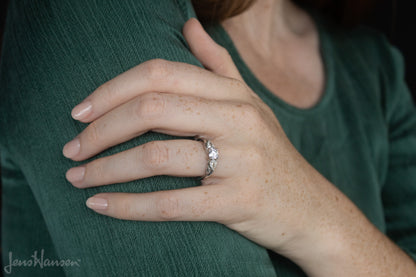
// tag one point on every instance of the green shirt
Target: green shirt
(361, 136)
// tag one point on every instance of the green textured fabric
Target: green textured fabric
(361, 136)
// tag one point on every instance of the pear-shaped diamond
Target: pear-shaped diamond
(213, 164)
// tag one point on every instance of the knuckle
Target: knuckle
(93, 133)
(168, 207)
(156, 155)
(96, 172)
(251, 114)
(109, 90)
(238, 84)
(150, 105)
(156, 70)
(254, 156)
(125, 210)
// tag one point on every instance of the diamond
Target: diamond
(213, 164)
(209, 145)
(213, 154)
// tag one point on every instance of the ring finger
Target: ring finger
(182, 158)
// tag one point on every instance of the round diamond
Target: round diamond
(213, 154)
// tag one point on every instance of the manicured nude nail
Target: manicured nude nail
(96, 203)
(81, 110)
(71, 149)
(75, 174)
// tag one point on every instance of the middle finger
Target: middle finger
(182, 158)
(166, 113)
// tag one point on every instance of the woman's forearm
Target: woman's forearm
(348, 244)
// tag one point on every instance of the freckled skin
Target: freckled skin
(263, 188)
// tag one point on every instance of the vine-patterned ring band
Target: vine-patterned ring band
(213, 156)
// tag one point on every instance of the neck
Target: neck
(267, 22)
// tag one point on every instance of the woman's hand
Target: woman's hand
(261, 188)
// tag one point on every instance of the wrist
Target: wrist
(327, 242)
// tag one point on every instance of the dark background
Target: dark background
(392, 17)
(397, 19)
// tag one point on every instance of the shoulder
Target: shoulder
(366, 53)
(59, 53)
(368, 48)
(376, 67)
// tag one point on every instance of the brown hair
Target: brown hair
(219, 10)
(345, 12)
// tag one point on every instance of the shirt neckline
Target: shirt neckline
(266, 94)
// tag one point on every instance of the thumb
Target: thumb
(213, 56)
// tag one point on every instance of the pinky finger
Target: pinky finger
(204, 203)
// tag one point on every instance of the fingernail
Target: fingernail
(97, 203)
(75, 174)
(71, 149)
(81, 110)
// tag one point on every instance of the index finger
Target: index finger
(157, 76)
